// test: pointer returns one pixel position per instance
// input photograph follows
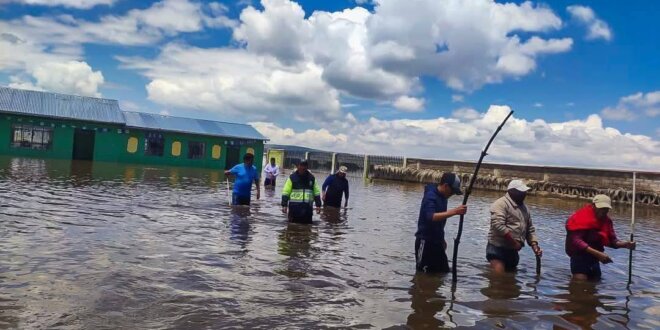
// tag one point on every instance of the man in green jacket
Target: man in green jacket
(299, 193)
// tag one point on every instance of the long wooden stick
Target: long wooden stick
(228, 193)
(632, 229)
(457, 240)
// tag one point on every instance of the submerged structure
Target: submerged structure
(52, 125)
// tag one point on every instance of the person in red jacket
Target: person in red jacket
(588, 231)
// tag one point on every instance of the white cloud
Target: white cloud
(72, 77)
(538, 105)
(236, 82)
(409, 104)
(634, 106)
(596, 28)
(585, 143)
(466, 113)
(80, 4)
(457, 98)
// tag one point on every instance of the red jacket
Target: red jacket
(584, 230)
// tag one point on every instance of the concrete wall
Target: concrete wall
(597, 178)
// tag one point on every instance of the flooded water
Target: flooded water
(108, 246)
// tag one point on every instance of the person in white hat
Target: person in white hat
(334, 187)
(588, 231)
(510, 226)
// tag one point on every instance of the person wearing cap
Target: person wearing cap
(588, 231)
(430, 244)
(272, 171)
(510, 226)
(299, 193)
(334, 186)
(245, 174)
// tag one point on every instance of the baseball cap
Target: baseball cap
(518, 185)
(602, 201)
(453, 181)
(343, 169)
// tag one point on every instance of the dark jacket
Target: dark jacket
(336, 187)
(299, 192)
(433, 202)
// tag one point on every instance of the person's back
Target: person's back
(334, 187)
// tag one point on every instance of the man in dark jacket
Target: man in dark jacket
(299, 192)
(430, 242)
(334, 187)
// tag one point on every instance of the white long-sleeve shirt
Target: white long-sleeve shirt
(272, 171)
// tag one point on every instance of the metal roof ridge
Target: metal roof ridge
(181, 117)
(60, 94)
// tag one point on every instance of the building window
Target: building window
(32, 137)
(216, 152)
(154, 144)
(132, 145)
(196, 150)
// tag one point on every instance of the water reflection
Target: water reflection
(295, 242)
(426, 302)
(95, 245)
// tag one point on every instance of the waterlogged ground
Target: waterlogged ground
(109, 246)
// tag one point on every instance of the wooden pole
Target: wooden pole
(632, 228)
(457, 240)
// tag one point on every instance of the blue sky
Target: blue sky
(322, 73)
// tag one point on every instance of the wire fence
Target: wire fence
(328, 162)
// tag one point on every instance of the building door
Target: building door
(233, 157)
(83, 144)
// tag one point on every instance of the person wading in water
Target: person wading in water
(245, 174)
(299, 193)
(334, 187)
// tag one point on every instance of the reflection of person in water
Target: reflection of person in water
(295, 242)
(581, 304)
(240, 226)
(502, 286)
(426, 302)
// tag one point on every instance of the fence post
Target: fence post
(307, 155)
(366, 167)
(334, 162)
(405, 162)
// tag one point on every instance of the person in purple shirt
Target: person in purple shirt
(588, 231)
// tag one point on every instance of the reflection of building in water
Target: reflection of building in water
(426, 303)
(295, 242)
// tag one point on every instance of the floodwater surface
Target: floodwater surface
(108, 246)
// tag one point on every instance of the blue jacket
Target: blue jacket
(433, 202)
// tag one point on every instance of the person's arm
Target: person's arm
(257, 184)
(232, 171)
(576, 239)
(532, 240)
(431, 215)
(498, 223)
(286, 194)
(276, 171)
(317, 196)
(326, 183)
(616, 243)
(346, 195)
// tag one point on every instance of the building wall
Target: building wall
(111, 144)
(62, 136)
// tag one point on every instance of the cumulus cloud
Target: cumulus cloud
(596, 28)
(80, 4)
(409, 104)
(457, 98)
(357, 53)
(71, 77)
(584, 142)
(634, 106)
(236, 82)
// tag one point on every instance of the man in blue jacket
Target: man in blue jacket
(430, 244)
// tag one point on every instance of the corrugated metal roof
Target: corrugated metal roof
(190, 125)
(55, 105)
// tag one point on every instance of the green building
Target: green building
(51, 125)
